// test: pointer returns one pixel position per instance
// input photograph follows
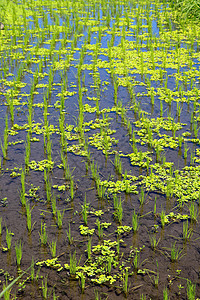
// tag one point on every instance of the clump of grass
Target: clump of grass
(44, 288)
(118, 210)
(9, 235)
(27, 150)
(142, 196)
(85, 212)
(60, 217)
(166, 294)
(154, 243)
(72, 263)
(162, 218)
(118, 164)
(125, 283)
(52, 247)
(89, 248)
(135, 222)
(100, 228)
(187, 233)
(193, 211)
(70, 238)
(6, 292)
(43, 234)
(191, 290)
(22, 194)
(82, 279)
(18, 250)
(156, 277)
(28, 217)
(175, 253)
(136, 261)
(72, 188)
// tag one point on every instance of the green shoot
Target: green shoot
(52, 247)
(73, 263)
(135, 222)
(18, 250)
(70, 238)
(9, 235)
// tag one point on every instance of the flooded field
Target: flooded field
(100, 150)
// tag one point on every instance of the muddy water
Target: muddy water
(120, 67)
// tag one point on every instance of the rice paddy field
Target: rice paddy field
(100, 150)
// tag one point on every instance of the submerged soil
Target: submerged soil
(100, 146)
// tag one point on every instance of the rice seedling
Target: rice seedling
(125, 283)
(118, 164)
(94, 170)
(100, 228)
(18, 250)
(89, 248)
(153, 241)
(72, 188)
(82, 279)
(49, 143)
(187, 232)
(97, 297)
(101, 190)
(44, 288)
(22, 194)
(52, 247)
(73, 264)
(185, 151)
(175, 253)
(135, 222)
(70, 238)
(136, 261)
(191, 290)
(9, 235)
(156, 278)
(193, 211)
(60, 217)
(141, 199)
(28, 217)
(54, 295)
(27, 151)
(166, 294)
(85, 212)
(118, 210)
(43, 234)
(7, 292)
(162, 218)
